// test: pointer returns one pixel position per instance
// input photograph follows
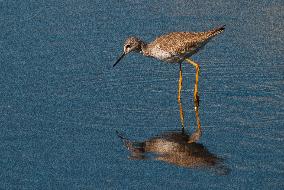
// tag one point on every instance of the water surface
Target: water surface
(61, 102)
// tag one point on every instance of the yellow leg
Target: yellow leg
(196, 97)
(181, 115)
(179, 94)
(179, 83)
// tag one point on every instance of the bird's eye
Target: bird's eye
(127, 46)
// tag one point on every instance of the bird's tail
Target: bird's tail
(216, 31)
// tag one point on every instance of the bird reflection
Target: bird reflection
(177, 147)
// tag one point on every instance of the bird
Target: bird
(173, 47)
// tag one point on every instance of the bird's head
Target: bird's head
(131, 44)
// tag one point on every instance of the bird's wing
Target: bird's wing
(179, 42)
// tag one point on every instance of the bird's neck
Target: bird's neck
(144, 48)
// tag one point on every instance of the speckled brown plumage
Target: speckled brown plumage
(182, 41)
(179, 45)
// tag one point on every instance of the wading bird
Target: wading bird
(175, 47)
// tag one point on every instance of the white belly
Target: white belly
(162, 55)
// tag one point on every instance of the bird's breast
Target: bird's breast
(162, 55)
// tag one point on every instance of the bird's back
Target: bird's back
(183, 42)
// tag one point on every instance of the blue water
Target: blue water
(62, 103)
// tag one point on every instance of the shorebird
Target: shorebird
(174, 47)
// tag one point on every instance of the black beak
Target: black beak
(120, 57)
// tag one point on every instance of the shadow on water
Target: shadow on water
(177, 147)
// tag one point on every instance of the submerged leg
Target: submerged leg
(198, 132)
(197, 119)
(196, 97)
(179, 93)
